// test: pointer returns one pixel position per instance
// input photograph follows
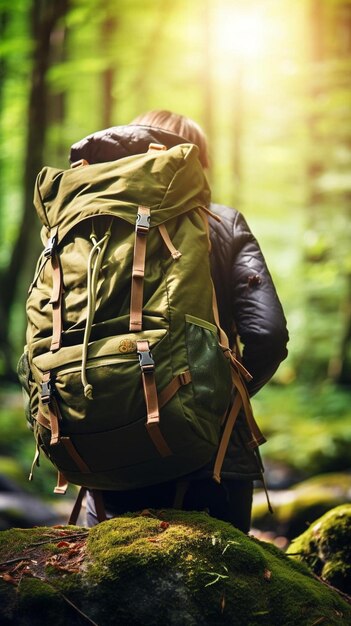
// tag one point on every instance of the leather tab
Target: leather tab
(156, 146)
(62, 484)
(80, 163)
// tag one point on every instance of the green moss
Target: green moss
(304, 503)
(178, 568)
(40, 603)
(17, 539)
(325, 547)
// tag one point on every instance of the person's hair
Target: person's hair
(178, 124)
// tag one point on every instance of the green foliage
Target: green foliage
(277, 114)
(308, 426)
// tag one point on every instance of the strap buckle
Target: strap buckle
(142, 225)
(146, 361)
(50, 246)
(46, 391)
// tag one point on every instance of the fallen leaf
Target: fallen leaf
(267, 574)
(8, 578)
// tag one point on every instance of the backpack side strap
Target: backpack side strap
(142, 227)
(147, 366)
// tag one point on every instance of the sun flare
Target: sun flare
(239, 33)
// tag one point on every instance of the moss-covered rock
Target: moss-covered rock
(176, 568)
(326, 547)
(296, 508)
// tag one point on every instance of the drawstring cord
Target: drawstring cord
(93, 268)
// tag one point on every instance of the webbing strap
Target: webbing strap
(171, 389)
(98, 501)
(175, 254)
(225, 438)
(52, 423)
(151, 400)
(47, 399)
(257, 436)
(62, 484)
(223, 339)
(99, 505)
(77, 506)
(54, 415)
(241, 400)
(56, 301)
(137, 289)
(74, 454)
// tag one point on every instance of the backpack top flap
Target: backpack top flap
(169, 182)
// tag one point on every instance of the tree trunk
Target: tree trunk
(44, 16)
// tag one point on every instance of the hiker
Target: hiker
(249, 309)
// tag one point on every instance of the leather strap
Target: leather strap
(54, 415)
(175, 254)
(257, 436)
(176, 383)
(75, 456)
(42, 420)
(62, 484)
(151, 400)
(77, 506)
(56, 301)
(241, 400)
(99, 505)
(98, 501)
(233, 414)
(48, 399)
(138, 269)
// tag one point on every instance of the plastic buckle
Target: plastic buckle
(50, 246)
(46, 392)
(146, 361)
(142, 225)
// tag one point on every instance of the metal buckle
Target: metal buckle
(142, 225)
(51, 244)
(46, 392)
(146, 361)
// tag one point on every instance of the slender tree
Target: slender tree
(44, 17)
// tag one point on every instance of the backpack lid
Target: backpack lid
(169, 182)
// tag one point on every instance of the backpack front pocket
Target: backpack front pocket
(114, 376)
(210, 369)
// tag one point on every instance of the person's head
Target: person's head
(180, 125)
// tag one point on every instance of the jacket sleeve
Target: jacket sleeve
(255, 308)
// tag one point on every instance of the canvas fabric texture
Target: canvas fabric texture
(94, 383)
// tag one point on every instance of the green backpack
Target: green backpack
(128, 373)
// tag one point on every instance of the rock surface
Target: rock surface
(154, 569)
(296, 508)
(326, 547)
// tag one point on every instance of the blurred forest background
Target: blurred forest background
(270, 82)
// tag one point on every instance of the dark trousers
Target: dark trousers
(231, 501)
